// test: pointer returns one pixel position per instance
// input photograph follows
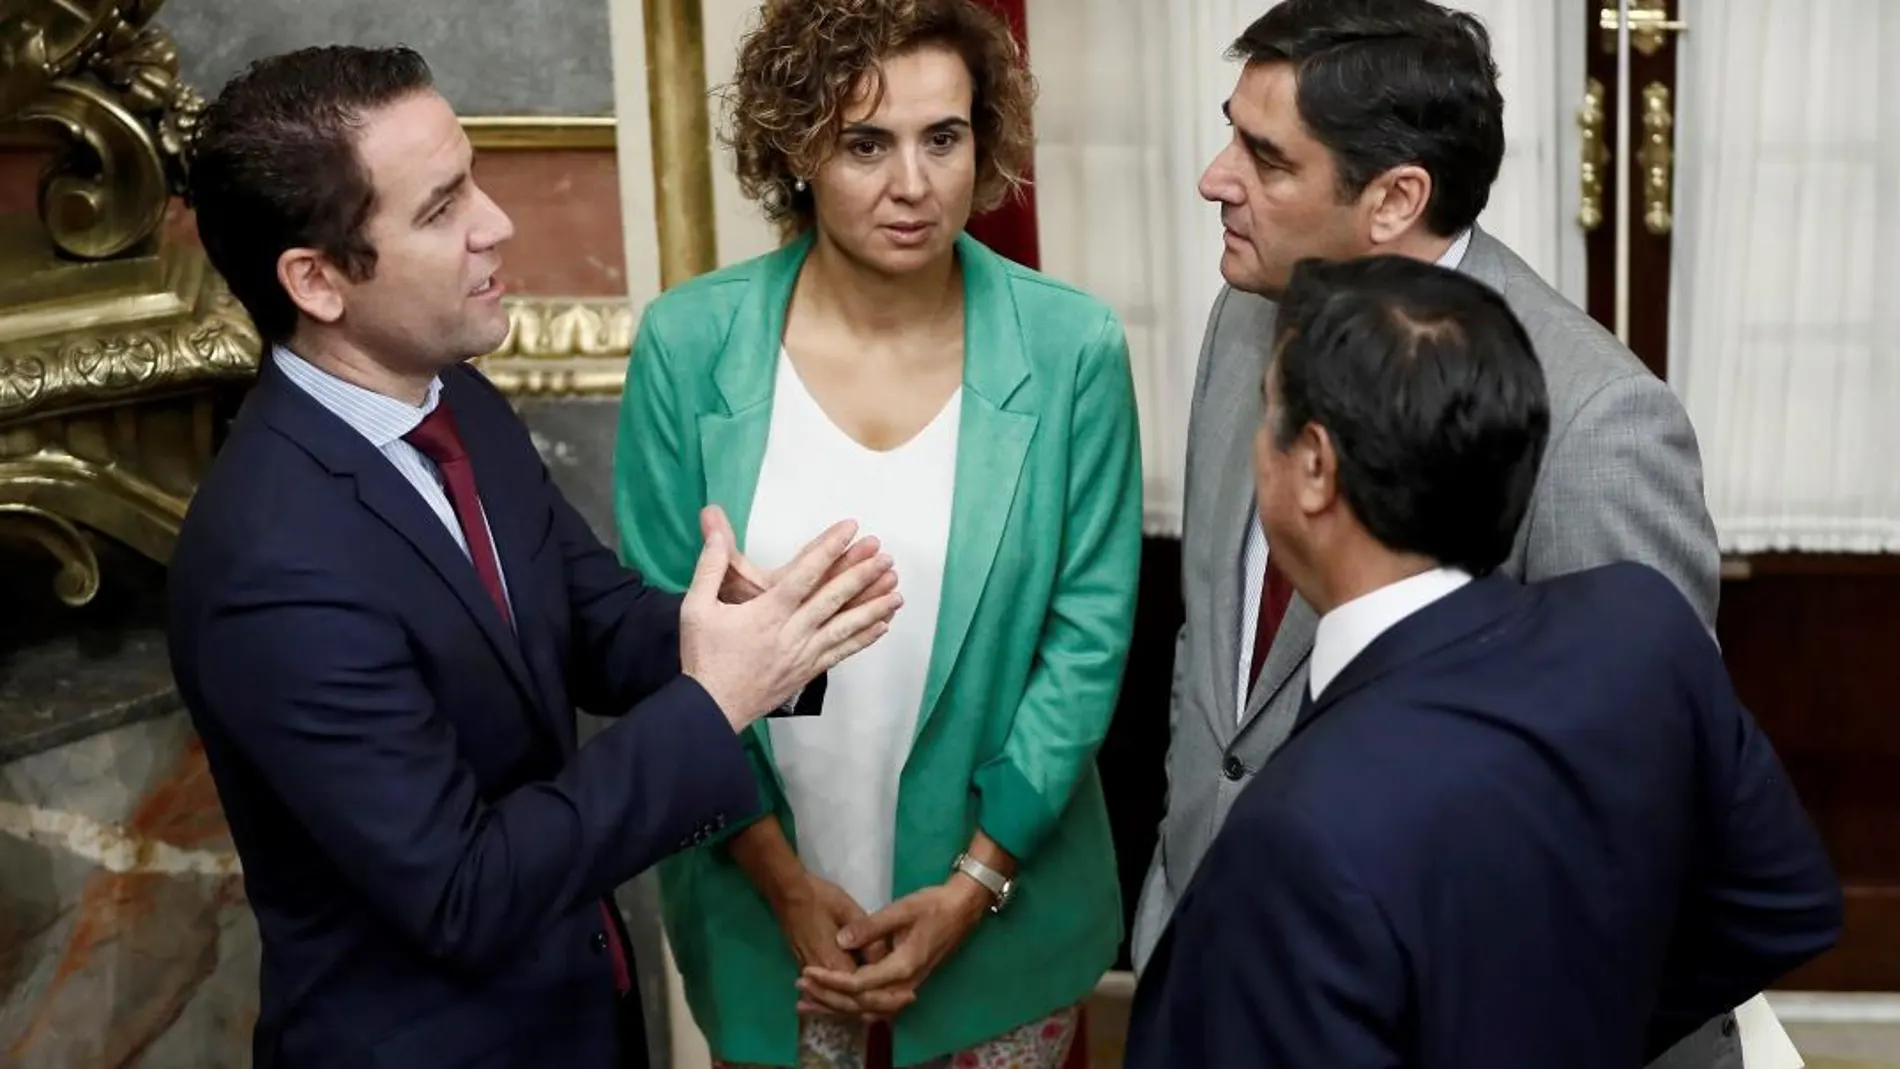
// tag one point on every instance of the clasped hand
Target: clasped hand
(899, 945)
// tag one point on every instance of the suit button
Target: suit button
(1728, 1025)
(600, 942)
(1234, 770)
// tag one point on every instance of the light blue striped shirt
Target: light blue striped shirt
(383, 420)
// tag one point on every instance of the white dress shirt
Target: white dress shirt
(1345, 632)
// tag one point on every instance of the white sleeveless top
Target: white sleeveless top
(841, 768)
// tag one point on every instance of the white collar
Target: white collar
(1455, 255)
(1345, 632)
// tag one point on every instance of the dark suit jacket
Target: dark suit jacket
(424, 845)
(1527, 826)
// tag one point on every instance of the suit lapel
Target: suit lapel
(1233, 521)
(1479, 605)
(514, 530)
(993, 438)
(384, 492)
(1292, 645)
(732, 444)
(397, 504)
(1236, 392)
(732, 438)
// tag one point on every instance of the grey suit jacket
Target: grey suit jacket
(1621, 480)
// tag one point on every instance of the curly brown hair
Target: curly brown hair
(799, 67)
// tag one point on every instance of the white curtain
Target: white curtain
(1129, 112)
(1129, 116)
(1538, 45)
(1785, 317)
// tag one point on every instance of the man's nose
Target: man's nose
(495, 226)
(1217, 181)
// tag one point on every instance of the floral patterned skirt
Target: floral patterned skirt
(840, 1043)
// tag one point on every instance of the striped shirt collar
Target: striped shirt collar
(377, 417)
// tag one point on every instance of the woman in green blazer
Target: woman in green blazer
(935, 853)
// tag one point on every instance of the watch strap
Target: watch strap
(997, 884)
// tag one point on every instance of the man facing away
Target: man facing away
(1514, 824)
(1367, 127)
(383, 614)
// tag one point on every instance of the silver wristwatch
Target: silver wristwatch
(1001, 887)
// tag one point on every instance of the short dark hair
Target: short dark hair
(275, 167)
(1433, 398)
(1383, 83)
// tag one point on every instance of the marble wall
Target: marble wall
(125, 938)
(490, 57)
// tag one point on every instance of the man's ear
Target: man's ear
(314, 285)
(1399, 199)
(1317, 468)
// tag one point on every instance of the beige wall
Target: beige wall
(743, 231)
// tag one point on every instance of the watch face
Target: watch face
(1003, 899)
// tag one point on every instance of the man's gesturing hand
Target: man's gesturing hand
(752, 657)
(745, 580)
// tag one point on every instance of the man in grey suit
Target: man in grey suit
(1364, 127)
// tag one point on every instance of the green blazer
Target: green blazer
(1033, 629)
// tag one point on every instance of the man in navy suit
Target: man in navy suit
(1514, 825)
(383, 615)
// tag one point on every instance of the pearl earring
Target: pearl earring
(798, 185)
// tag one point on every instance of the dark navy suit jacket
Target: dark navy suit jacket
(424, 845)
(1526, 827)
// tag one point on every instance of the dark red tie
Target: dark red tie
(1275, 593)
(436, 438)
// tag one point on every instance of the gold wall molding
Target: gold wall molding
(556, 346)
(126, 473)
(107, 393)
(681, 135)
(116, 348)
(563, 347)
(509, 133)
(89, 342)
(108, 427)
(94, 76)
